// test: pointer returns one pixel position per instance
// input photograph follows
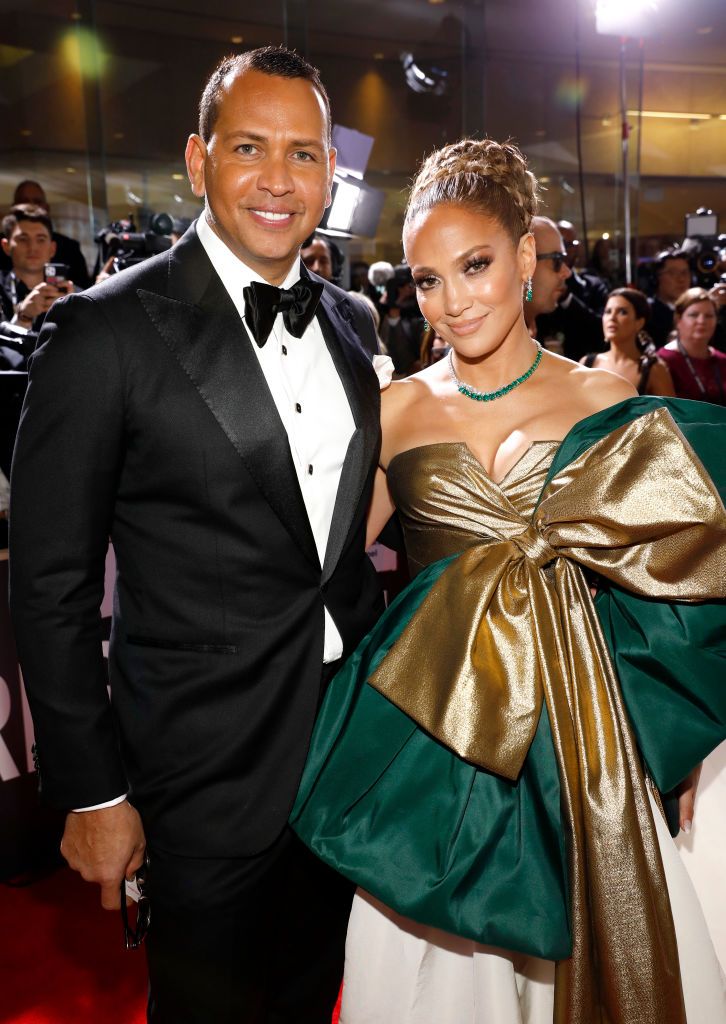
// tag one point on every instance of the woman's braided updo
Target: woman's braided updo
(491, 177)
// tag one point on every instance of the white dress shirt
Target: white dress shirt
(312, 404)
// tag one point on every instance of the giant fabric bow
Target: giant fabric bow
(297, 304)
(511, 623)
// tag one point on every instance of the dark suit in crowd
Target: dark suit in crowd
(661, 321)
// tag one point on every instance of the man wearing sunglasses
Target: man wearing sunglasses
(553, 312)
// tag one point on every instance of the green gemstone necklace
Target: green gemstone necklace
(489, 396)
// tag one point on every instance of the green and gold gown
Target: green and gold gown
(485, 761)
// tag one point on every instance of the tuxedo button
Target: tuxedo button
(298, 407)
(310, 469)
(284, 350)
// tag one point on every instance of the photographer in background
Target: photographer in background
(68, 251)
(402, 325)
(673, 277)
(25, 294)
(323, 257)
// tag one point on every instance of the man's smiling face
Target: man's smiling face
(266, 170)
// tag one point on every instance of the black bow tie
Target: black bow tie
(297, 304)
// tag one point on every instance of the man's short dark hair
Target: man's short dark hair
(26, 211)
(269, 60)
(669, 254)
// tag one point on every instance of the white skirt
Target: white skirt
(400, 972)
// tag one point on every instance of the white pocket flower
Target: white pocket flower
(383, 365)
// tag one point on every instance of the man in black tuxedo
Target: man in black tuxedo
(221, 425)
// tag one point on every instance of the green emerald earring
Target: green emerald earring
(528, 293)
(426, 325)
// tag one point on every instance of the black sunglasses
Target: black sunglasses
(558, 258)
(134, 934)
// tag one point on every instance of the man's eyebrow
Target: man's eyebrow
(295, 143)
(307, 143)
(240, 134)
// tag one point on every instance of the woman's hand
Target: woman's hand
(687, 798)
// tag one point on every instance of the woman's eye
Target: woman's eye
(424, 283)
(476, 266)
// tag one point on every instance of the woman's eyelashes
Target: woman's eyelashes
(474, 265)
(477, 264)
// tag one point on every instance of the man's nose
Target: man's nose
(565, 272)
(274, 177)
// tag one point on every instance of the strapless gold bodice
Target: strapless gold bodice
(447, 502)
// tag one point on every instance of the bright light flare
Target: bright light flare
(83, 52)
(634, 18)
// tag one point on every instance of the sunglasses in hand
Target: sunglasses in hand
(136, 923)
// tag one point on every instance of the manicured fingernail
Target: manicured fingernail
(687, 825)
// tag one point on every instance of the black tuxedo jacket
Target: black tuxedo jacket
(148, 419)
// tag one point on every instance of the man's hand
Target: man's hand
(105, 846)
(687, 798)
(40, 300)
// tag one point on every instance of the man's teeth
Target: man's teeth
(268, 215)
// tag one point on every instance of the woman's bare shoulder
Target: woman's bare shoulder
(592, 387)
(402, 395)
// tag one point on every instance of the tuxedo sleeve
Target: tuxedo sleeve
(364, 326)
(65, 470)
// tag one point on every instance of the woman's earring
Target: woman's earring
(427, 325)
(528, 293)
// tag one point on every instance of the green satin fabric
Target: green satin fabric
(458, 847)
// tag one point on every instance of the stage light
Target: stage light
(634, 18)
(431, 80)
(343, 206)
(605, 235)
(355, 209)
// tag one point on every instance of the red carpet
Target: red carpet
(62, 959)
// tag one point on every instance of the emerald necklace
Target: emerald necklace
(489, 396)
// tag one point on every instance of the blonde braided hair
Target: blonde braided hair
(490, 176)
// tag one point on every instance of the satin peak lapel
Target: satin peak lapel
(362, 390)
(214, 350)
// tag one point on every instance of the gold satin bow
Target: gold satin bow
(512, 622)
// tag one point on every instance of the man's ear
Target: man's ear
(195, 156)
(5, 246)
(332, 157)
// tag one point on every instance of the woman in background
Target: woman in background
(697, 369)
(623, 322)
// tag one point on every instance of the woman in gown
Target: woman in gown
(487, 765)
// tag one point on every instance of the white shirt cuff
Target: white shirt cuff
(100, 807)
